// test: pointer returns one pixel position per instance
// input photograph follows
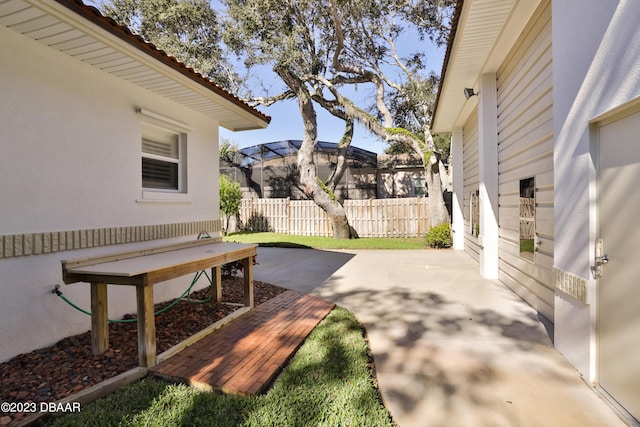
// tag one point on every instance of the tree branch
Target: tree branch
(343, 149)
(270, 100)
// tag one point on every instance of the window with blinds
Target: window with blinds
(161, 159)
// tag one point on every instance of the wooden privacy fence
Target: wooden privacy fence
(407, 217)
(527, 217)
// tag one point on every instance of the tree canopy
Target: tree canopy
(324, 49)
(325, 53)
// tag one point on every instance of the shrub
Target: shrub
(257, 222)
(439, 236)
(230, 197)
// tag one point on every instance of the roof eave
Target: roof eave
(445, 63)
(253, 119)
(483, 32)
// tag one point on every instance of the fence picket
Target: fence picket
(370, 218)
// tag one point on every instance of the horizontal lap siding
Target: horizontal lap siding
(525, 149)
(471, 181)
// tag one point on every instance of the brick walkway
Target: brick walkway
(244, 356)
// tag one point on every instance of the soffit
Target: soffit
(81, 32)
(484, 33)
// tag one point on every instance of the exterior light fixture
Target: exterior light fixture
(468, 92)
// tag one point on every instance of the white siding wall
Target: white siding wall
(595, 71)
(70, 160)
(525, 150)
(471, 182)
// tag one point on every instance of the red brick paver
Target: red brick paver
(244, 356)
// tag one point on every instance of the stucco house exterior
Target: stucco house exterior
(107, 144)
(546, 163)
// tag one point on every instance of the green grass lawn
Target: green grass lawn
(291, 241)
(328, 383)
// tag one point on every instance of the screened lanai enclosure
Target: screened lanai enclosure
(269, 170)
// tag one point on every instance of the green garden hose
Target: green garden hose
(56, 290)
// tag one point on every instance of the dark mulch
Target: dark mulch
(55, 372)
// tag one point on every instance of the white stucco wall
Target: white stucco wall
(69, 160)
(596, 67)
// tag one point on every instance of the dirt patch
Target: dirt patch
(55, 372)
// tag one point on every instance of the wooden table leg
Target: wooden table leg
(99, 318)
(248, 281)
(216, 277)
(146, 327)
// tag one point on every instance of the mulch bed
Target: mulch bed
(55, 372)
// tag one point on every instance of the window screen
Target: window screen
(160, 159)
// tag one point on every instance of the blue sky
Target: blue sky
(287, 124)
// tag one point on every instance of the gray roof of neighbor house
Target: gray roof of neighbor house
(82, 32)
(272, 150)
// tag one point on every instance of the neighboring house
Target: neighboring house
(546, 163)
(400, 175)
(403, 175)
(269, 171)
(106, 144)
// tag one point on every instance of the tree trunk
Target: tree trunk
(437, 207)
(342, 153)
(306, 165)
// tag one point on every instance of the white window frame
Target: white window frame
(174, 184)
(153, 123)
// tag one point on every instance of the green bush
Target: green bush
(440, 236)
(230, 198)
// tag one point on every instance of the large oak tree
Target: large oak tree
(322, 49)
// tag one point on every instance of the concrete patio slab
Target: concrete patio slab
(450, 348)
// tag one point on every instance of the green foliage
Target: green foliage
(230, 196)
(440, 236)
(527, 245)
(402, 131)
(227, 149)
(324, 51)
(412, 104)
(442, 142)
(427, 156)
(326, 189)
(277, 33)
(257, 222)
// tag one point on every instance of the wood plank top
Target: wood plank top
(214, 252)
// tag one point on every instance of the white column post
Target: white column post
(488, 168)
(457, 200)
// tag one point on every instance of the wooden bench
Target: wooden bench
(143, 269)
